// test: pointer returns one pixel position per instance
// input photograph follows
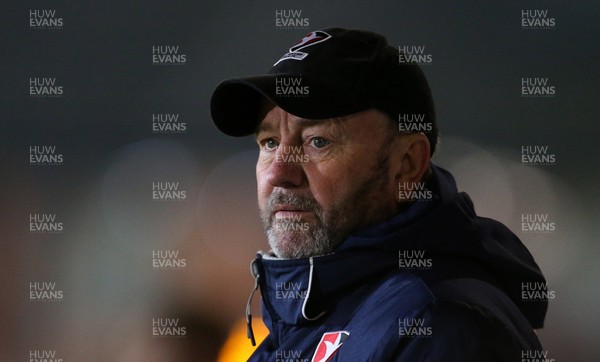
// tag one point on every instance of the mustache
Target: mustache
(301, 202)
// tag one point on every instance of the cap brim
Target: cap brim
(235, 103)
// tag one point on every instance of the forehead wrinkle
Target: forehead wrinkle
(315, 122)
(303, 122)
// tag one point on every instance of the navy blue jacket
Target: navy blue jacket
(435, 283)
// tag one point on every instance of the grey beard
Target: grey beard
(302, 239)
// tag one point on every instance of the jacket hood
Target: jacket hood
(438, 239)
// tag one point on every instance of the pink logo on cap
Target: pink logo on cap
(312, 38)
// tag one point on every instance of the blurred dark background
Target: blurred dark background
(102, 125)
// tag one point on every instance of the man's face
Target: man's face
(320, 180)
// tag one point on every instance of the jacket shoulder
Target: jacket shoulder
(470, 320)
(457, 319)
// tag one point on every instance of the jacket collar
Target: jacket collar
(298, 291)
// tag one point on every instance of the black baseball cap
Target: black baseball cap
(330, 73)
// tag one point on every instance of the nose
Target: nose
(286, 169)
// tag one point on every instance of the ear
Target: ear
(409, 159)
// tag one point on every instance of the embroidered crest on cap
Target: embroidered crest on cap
(312, 38)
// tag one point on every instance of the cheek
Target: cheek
(335, 182)
(329, 185)
(263, 187)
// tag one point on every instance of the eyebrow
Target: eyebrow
(263, 127)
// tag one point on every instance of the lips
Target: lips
(278, 208)
(287, 212)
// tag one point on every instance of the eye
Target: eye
(319, 142)
(270, 144)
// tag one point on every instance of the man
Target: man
(375, 255)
